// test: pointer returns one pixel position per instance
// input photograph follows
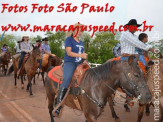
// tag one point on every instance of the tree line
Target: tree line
(99, 48)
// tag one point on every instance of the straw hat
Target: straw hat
(76, 25)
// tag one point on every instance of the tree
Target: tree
(100, 48)
(56, 41)
(10, 40)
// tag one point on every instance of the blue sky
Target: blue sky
(125, 10)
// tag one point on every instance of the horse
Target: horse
(53, 60)
(149, 78)
(28, 67)
(152, 81)
(100, 83)
(5, 60)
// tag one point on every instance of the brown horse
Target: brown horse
(5, 60)
(154, 81)
(150, 81)
(100, 83)
(28, 67)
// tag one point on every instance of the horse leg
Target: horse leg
(24, 77)
(42, 74)
(34, 80)
(90, 118)
(15, 77)
(50, 106)
(22, 83)
(147, 111)
(5, 70)
(126, 107)
(111, 104)
(140, 112)
(30, 85)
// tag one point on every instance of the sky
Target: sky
(149, 10)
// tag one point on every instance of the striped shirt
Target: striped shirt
(129, 42)
(25, 46)
(4, 49)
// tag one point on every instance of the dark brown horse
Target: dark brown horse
(100, 83)
(5, 60)
(52, 61)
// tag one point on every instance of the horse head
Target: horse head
(132, 80)
(36, 54)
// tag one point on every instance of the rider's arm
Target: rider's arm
(72, 54)
(134, 41)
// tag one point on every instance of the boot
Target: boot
(61, 94)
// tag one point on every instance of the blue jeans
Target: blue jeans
(142, 59)
(68, 71)
(21, 59)
(40, 66)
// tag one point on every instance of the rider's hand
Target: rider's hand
(84, 55)
(151, 49)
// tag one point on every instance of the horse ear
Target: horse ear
(130, 60)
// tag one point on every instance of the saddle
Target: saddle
(56, 74)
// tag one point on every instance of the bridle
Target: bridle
(134, 86)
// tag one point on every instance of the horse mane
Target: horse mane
(99, 73)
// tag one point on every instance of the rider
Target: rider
(117, 50)
(25, 48)
(4, 48)
(45, 50)
(74, 53)
(129, 41)
(39, 43)
(17, 47)
(143, 55)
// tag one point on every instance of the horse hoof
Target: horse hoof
(31, 94)
(22, 86)
(127, 110)
(117, 120)
(147, 113)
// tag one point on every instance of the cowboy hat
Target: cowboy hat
(45, 39)
(76, 25)
(38, 40)
(133, 22)
(5, 45)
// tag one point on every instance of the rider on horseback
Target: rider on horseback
(74, 53)
(4, 49)
(25, 49)
(45, 49)
(129, 41)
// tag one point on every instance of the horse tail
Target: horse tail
(11, 69)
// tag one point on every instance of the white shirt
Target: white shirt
(17, 49)
(129, 41)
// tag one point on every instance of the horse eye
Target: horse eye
(136, 74)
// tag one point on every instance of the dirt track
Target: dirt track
(17, 106)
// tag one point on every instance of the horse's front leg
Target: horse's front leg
(111, 104)
(34, 79)
(15, 77)
(42, 74)
(140, 112)
(22, 82)
(29, 84)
